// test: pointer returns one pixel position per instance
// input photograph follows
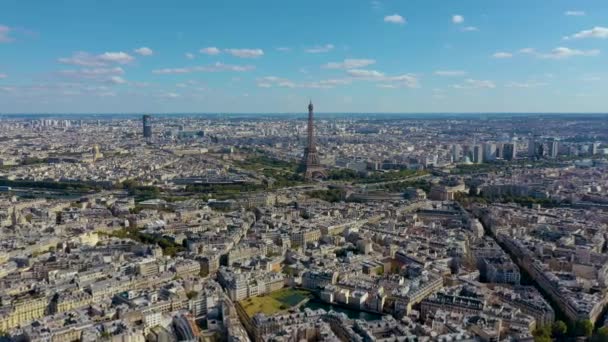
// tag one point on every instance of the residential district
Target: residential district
(279, 228)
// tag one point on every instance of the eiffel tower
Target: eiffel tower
(313, 169)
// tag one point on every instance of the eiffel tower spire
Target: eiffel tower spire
(312, 166)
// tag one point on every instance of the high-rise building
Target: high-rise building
(147, 121)
(509, 151)
(456, 151)
(573, 150)
(312, 166)
(594, 148)
(477, 154)
(531, 148)
(489, 152)
(500, 150)
(536, 149)
(553, 148)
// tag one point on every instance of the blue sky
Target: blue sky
(85, 56)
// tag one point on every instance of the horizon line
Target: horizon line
(292, 113)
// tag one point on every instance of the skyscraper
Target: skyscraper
(312, 167)
(147, 121)
(553, 148)
(456, 151)
(489, 152)
(477, 154)
(532, 148)
(536, 149)
(594, 148)
(509, 151)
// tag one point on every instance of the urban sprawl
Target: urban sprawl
(295, 228)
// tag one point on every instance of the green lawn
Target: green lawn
(274, 302)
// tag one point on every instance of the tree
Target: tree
(583, 328)
(559, 329)
(601, 335)
(542, 334)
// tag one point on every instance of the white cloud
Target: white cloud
(245, 53)
(117, 80)
(406, 80)
(169, 71)
(170, 95)
(86, 59)
(5, 34)
(225, 67)
(71, 92)
(575, 13)
(591, 78)
(217, 67)
(365, 74)
(286, 84)
(3, 76)
(457, 19)
(528, 84)
(475, 84)
(106, 94)
(387, 86)
(212, 51)
(560, 53)
(116, 57)
(596, 32)
(502, 55)
(144, 51)
(335, 82)
(320, 48)
(190, 55)
(469, 29)
(450, 73)
(91, 73)
(274, 81)
(349, 64)
(409, 81)
(395, 19)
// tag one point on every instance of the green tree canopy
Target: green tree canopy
(559, 329)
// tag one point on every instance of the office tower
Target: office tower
(594, 148)
(509, 151)
(540, 150)
(456, 150)
(147, 120)
(531, 148)
(489, 152)
(477, 154)
(536, 149)
(467, 152)
(312, 167)
(553, 149)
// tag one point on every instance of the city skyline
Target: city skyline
(268, 57)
